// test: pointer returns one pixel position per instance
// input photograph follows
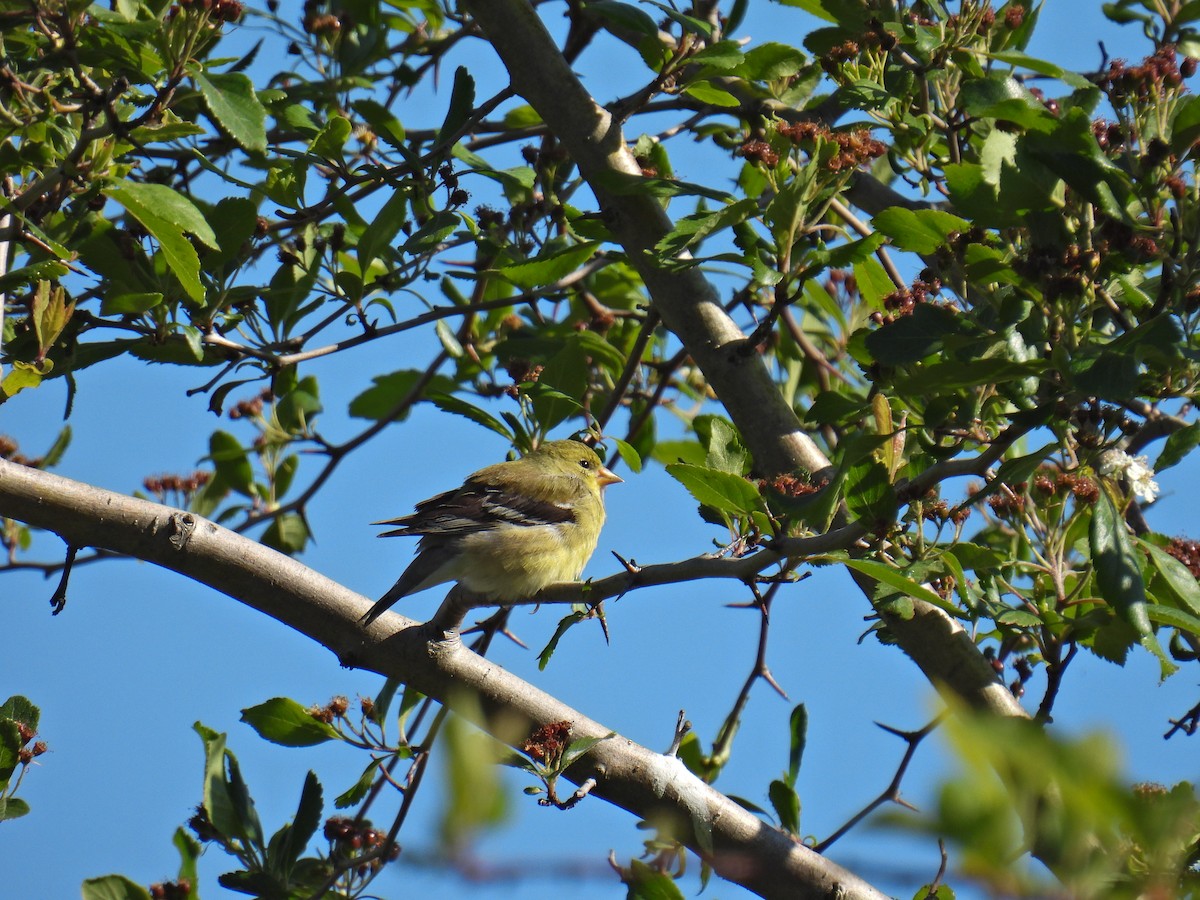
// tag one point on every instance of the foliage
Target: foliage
(955, 260)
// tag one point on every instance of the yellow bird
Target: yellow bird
(511, 529)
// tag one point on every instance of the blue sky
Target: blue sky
(140, 654)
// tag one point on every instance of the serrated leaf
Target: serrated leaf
(722, 491)
(1177, 578)
(451, 404)
(303, 826)
(1118, 577)
(231, 99)
(168, 215)
(628, 454)
(564, 623)
(283, 721)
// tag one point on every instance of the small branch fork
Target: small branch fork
(890, 794)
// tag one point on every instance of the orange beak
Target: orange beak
(605, 477)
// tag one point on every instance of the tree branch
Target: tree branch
(690, 308)
(744, 848)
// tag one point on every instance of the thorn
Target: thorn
(630, 565)
(512, 637)
(766, 676)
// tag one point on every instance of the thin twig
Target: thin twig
(890, 794)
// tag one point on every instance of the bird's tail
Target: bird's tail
(384, 603)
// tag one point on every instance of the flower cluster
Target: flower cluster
(901, 303)
(854, 148)
(1081, 487)
(546, 745)
(1187, 551)
(791, 485)
(161, 485)
(334, 709)
(350, 837)
(1134, 469)
(1159, 73)
(757, 151)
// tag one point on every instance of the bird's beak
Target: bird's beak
(605, 477)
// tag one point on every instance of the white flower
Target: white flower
(1134, 469)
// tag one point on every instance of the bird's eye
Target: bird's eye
(586, 463)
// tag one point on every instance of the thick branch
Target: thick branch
(688, 305)
(744, 848)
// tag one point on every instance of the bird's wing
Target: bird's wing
(477, 507)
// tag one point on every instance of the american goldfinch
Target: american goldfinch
(510, 530)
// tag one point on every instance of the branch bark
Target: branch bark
(740, 846)
(689, 307)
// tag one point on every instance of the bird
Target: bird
(511, 529)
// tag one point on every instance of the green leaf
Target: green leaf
(330, 140)
(168, 215)
(113, 887)
(868, 491)
(10, 747)
(564, 623)
(689, 231)
(287, 533)
(724, 449)
(231, 99)
(285, 722)
(918, 230)
(647, 882)
(786, 803)
(894, 578)
(1176, 577)
(216, 798)
(231, 462)
(462, 102)
(387, 392)
(1004, 97)
(21, 709)
(628, 454)
(436, 229)
(723, 491)
(451, 404)
(911, 338)
(1178, 445)
(382, 229)
(12, 808)
(293, 838)
(119, 304)
(357, 791)
(1118, 577)
(298, 406)
(798, 737)
(548, 268)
